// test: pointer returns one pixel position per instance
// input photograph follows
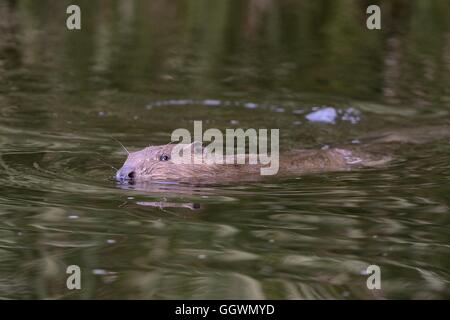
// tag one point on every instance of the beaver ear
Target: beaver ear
(196, 147)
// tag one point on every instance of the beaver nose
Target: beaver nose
(125, 173)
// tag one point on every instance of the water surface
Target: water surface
(138, 70)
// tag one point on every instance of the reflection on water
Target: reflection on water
(140, 69)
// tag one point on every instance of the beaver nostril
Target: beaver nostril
(131, 174)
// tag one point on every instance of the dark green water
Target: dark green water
(64, 94)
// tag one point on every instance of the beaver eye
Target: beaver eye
(164, 157)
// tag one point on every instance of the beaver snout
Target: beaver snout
(125, 173)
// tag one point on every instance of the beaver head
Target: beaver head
(157, 163)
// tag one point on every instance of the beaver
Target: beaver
(154, 163)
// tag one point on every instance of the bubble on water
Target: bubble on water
(73, 216)
(250, 105)
(100, 272)
(110, 241)
(201, 256)
(210, 102)
(101, 113)
(234, 122)
(325, 115)
(352, 115)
